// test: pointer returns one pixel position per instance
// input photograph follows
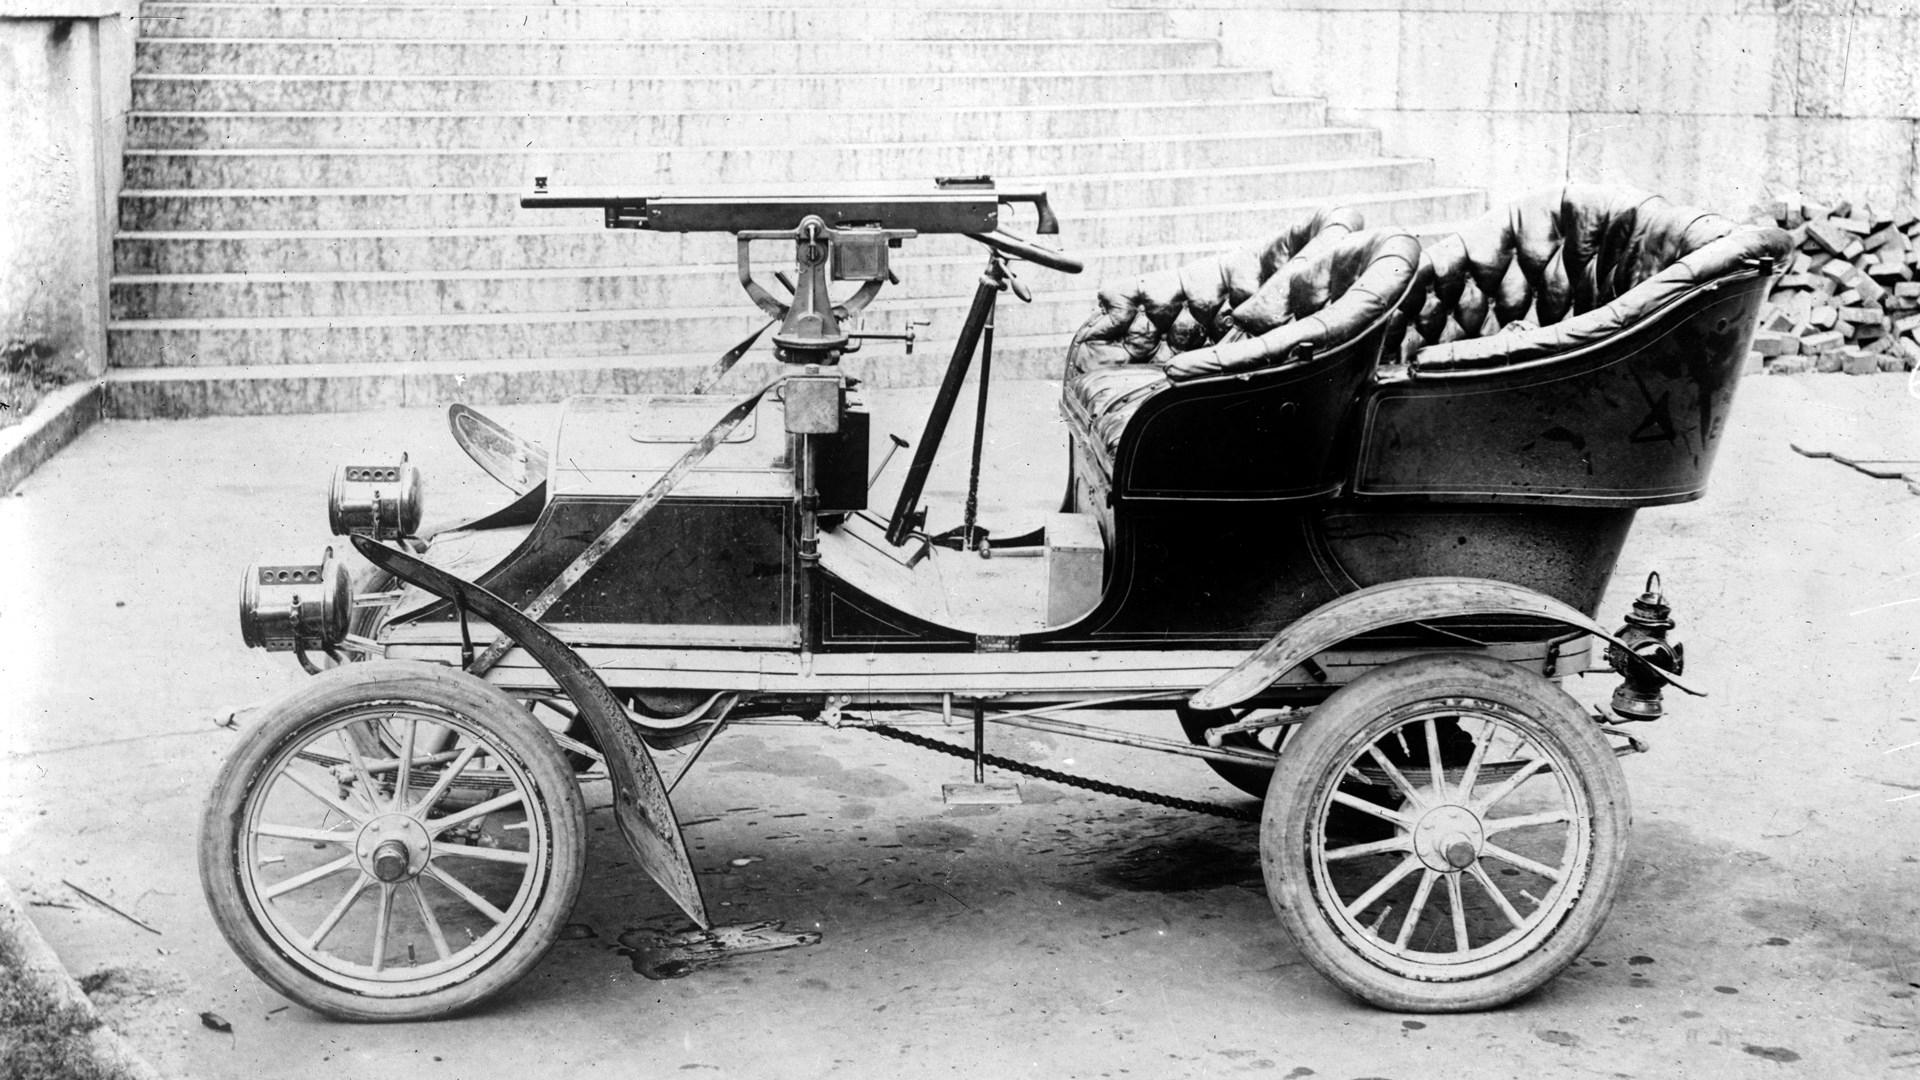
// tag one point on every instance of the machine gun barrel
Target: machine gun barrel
(968, 206)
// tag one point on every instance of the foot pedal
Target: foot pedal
(997, 793)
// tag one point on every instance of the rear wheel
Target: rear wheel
(353, 883)
(1497, 870)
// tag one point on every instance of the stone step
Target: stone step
(173, 393)
(492, 169)
(333, 339)
(163, 210)
(550, 93)
(575, 244)
(524, 130)
(178, 296)
(575, 22)
(1081, 177)
(1002, 6)
(286, 56)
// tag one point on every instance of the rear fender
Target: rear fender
(639, 798)
(1392, 604)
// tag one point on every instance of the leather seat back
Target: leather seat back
(1578, 348)
(1304, 337)
(1563, 268)
(1158, 314)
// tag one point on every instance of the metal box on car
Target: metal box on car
(1075, 557)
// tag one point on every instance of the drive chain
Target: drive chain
(1231, 813)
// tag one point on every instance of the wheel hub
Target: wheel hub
(1448, 838)
(393, 847)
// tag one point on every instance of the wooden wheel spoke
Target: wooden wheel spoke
(351, 813)
(382, 921)
(405, 775)
(1365, 807)
(359, 762)
(1471, 775)
(475, 900)
(436, 826)
(1435, 769)
(446, 780)
(1499, 898)
(1420, 896)
(302, 832)
(1497, 852)
(433, 924)
(1507, 786)
(466, 851)
(339, 911)
(1393, 773)
(1455, 901)
(1496, 826)
(300, 881)
(1407, 866)
(1375, 847)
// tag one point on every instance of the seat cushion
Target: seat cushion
(1563, 268)
(1102, 400)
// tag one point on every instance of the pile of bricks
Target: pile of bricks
(1849, 297)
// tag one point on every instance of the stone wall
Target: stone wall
(65, 85)
(1716, 102)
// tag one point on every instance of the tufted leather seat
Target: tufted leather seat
(1580, 347)
(1308, 290)
(1231, 377)
(1564, 268)
(1169, 311)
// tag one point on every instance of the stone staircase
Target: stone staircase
(321, 200)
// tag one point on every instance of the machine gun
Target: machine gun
(841, 233)
(845, 233)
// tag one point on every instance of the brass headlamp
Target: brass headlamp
(381, 501)
(294, 606)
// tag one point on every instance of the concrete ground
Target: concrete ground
(1766, 927)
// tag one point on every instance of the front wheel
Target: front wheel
(1501, 864)
(353, 883)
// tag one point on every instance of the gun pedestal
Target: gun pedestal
(811, 330)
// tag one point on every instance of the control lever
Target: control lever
(899, 444)
(910, 335)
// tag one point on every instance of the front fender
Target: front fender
(640, 803)
(1392, 604)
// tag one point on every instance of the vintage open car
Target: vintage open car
(1342, 503)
